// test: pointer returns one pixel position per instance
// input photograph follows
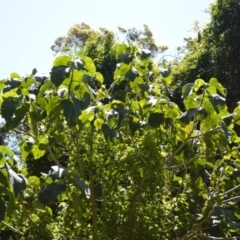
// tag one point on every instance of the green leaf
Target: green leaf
(53, 106)
(86, 116)
(39, 148)
(3, 84)
(20, 114)
(144, 87)
(2, 210)
(82, 185)
(69, 112)
(172, 111)
(27, 82)
(134, 124)
(18, 181)
(62, 61)
(233, 225)
(8, 109)
(218, 102)
(62, 92)
(145, 53)
(202, 114)
(49, 193)
(214, 82)
(34, 71)
(2, 159)
(187, 90)
(228, 119)
(120, 71)
(15, 75)
(117, 104)
(156, 119)
(126, 58)
(6, 150)
(132, 74)
(79, 64)
(88, 64)
(186, 117)
(226, 132)
(13, 83)
(9, 94)
(108, 133)
(112, 117)
(45, 87)
(121, 49)
(99, 77)
(237, 115)
(98, 123)
(57, 172)
(168, 80)
(25, 92)
(37, 152)
(11, 204)
(33, 180)
(135, 85)
(198, 84)
(58, 74)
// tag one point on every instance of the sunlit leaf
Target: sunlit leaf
(62, 61)
(15, 75)
(198, 84)
(88, 64)
(99, 77)
(187, 90)
(214, 82)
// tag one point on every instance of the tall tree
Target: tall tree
(79, 34)
(215, 52)
(101, 46)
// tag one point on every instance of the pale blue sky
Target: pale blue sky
(29, 27)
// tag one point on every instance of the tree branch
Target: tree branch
(12, 228)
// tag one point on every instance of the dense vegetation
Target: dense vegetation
(108, 152)
(215, 52)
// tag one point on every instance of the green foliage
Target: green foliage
(215, 52)
(132, 167)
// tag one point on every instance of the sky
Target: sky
(29, 27)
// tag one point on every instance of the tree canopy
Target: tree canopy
(106, 153)
(216, 51)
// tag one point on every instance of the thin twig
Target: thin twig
(230, 199)
(189, 161)
(231, 190)
(192, 231)
(53, 157)
(12, 228)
